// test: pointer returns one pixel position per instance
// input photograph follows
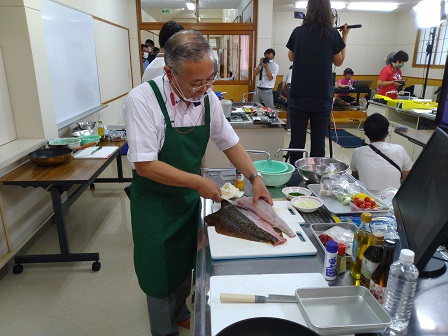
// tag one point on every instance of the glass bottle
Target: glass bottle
(361, 241)
(378, 281)
(341, 260)
(100, 130)
(371, 259)
(239, 180)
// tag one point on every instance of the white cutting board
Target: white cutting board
(225, 247)
(104, 153)
(225, 314)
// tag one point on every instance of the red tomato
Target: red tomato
(368, 204)
(362, 206)
(355, 199)
(373, 203)
(367, 199)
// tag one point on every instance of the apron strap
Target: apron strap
(161, 102)
(207, 111)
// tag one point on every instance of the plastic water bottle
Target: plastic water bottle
(400, 291)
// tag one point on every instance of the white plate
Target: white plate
(304, 191)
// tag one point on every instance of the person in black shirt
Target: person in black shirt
(313, 48)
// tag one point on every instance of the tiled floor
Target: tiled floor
(70, 299)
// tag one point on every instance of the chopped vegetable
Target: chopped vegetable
(295, 194)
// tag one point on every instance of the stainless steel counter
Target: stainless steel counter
(428, 316)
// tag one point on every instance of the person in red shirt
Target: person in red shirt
(390, 76)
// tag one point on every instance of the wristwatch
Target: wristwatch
(253, 176)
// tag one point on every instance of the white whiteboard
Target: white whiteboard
(7, 127)
(113, 55)
(70, 45)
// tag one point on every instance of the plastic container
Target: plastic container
(341, 260)
(331, 252)
(400, 291)
(239, 180)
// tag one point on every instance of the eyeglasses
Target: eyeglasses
(196, 88)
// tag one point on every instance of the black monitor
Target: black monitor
(421, 205)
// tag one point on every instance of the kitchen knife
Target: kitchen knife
(245, 298)
(96, 150)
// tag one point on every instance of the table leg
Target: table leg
(65, 255)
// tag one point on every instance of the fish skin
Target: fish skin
(230, 221)
(265, 211)
(262, 224)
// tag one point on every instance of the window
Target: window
(440, 49)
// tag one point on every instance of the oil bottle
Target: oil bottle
(361, 241)
(371, 259)
(239, 180)
(101, 130)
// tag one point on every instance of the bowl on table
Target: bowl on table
(86, 125)
(313, 168)
(291, 192)
(271, 166)
(278, 179)
(306, 203)
(85, 139)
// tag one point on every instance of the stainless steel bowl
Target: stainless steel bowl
(313, 168)
(273, 114)
(86, 125)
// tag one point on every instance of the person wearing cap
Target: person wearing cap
(346, 83)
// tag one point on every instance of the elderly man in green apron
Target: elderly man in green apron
(169, 122)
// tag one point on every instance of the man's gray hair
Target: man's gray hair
(187, 45)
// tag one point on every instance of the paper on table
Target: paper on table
(103, 153)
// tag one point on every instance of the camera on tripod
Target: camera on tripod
(266, 60)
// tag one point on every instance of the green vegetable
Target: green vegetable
(295, 194)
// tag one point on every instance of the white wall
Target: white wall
(381, 34)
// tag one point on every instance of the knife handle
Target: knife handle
(240, 298)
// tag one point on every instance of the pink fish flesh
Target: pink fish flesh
(264, 210)
(262, 224)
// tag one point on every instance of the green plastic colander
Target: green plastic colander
(271, 166)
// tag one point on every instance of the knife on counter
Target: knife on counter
(245, 298)
(96, 150)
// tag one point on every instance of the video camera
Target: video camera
(266, 60)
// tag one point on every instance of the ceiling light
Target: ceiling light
(373, 6)
(190, 6)
(428, 13)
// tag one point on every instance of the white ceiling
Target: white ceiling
(279, 5)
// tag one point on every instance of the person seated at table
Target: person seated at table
(345, 82)
(374, 171)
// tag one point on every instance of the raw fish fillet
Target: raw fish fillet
(230, 221)
(265, 211)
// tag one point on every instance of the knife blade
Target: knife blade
(246, 298)
(96, 150)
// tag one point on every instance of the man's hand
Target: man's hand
(208, 189)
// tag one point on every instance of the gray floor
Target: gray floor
(70, 299)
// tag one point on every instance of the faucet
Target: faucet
(258, 152)
(244, 96)
(291, 150)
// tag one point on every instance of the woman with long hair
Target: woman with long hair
(313, 48)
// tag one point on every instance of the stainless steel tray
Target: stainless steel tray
(334, 206)
(318, 228)
(341, 310)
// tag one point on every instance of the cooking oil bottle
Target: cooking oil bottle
(101, 130)
(361, 241)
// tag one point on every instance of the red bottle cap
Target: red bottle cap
(341, 249)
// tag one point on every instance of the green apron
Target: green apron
(165, 218)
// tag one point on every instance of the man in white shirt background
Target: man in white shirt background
(375, 172)
(266, 72)
(155, 68)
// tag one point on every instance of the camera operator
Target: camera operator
(266, 71)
